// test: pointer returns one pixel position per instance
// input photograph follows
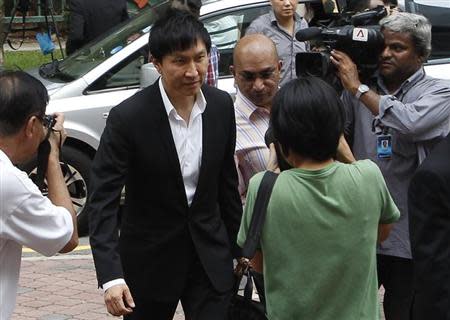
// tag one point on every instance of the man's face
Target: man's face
(284, 8)
(399, 59)
(183, 72)
(257, 76)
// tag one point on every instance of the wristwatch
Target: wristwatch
(361, 90)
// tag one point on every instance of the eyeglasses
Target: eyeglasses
(264, 75)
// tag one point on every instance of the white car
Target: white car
(87, 84)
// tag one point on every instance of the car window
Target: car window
(124, 75)
(100, 49)
(226, 28)
(438, 12)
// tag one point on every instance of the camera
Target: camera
(49, 121)
(358, 35)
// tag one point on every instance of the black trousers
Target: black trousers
(199, 299)
(396, 276)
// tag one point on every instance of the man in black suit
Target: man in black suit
(429, 223)
(88, 19)
(172, 146)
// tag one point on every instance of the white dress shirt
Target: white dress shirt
(26, 218)
(188, 142)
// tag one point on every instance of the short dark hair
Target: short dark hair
(307, 118)
(21, 96)
(177, 30)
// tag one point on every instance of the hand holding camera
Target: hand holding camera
(56, 134)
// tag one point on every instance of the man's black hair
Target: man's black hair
(177, 30)
(21, 96)
(307, 118)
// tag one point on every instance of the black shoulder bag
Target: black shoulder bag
(243, 307)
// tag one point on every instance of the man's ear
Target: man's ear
(156, 63)
(232, 70)
(30, 126)
(280, 64)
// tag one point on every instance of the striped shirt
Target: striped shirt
(212, 75)
(251, 153)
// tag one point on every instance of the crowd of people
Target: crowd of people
(362, 197)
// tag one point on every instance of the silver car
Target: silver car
(110, 69)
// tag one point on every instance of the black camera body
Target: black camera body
(359, 37)
(49, 121)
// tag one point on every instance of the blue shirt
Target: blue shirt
(417, 116)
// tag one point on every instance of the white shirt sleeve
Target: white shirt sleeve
(112, 283)
(31, 219)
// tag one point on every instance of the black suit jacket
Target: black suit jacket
(160, 234)
(429, 223)
(91, 18)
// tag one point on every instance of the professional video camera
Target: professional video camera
(358, 35)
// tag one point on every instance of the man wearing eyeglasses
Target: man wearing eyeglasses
(256, 72)
(27, 218)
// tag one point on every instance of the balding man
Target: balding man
(256, 72)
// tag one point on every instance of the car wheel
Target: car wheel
(75, 167)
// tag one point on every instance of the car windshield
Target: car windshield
(97, 51)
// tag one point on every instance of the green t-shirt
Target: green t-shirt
(319, 241)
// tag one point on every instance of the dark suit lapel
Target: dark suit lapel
(163, 129)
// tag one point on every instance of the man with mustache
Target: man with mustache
(395, 120)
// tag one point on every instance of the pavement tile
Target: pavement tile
(38, 303)
(90, 316)
(55, 317)
(69, 293)
(36, 313)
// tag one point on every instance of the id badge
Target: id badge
(384, 146)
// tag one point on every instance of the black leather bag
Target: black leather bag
(243, 307)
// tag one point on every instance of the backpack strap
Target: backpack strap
(259, 214)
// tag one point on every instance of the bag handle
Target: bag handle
(259, 214)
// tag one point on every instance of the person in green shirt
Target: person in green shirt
(324, 217)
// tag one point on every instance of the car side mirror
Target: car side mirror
(148, 75)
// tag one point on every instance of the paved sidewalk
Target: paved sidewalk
(60, 288)
(63, 287)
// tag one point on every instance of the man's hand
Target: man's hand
(347, 71)
(272, 164)
(344, 153)
(58, 134)
(118, 300)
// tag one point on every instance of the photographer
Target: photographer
(395, 121)
(27, 218)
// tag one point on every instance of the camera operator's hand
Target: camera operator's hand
(347, 71)
(57, 135)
